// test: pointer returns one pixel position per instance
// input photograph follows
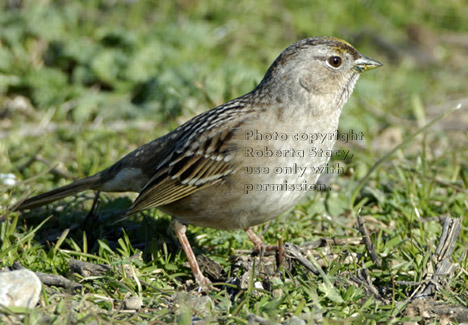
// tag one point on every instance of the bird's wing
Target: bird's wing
(200, 159)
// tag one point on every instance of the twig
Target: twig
(87, 269)
(322, 242)
(439, 267)
(280, 253)
(58, 281)
(295, 252)
(367, 241)
(452, 186)
(363, 279)
(52, 279)
(94, 208)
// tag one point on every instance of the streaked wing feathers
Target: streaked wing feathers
(190, 168)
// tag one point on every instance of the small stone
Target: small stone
(133, 303)
(258, 285)
(19, 289)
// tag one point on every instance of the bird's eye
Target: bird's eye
(334, 61)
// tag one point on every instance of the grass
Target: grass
(83, 83)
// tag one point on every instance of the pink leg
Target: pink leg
(180, 232)
(259, 245)
(254, 239)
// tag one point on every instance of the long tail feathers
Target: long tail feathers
(59, 193)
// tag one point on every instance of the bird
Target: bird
(231, 167)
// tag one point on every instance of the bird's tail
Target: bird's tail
(59, 193)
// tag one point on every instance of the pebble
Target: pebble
(19, 288)
(133, 303)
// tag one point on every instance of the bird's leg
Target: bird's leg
(261, 248)
(180, 232)
(259, 245)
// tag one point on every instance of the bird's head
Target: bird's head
(320, 70)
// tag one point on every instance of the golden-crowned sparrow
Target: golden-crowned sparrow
(246, 161)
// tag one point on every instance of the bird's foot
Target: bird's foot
(202, 281)
(259, 246)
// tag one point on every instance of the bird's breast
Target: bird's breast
(275, 165)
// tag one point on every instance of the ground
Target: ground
(83, 83)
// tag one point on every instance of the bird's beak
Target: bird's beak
(365, 63)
